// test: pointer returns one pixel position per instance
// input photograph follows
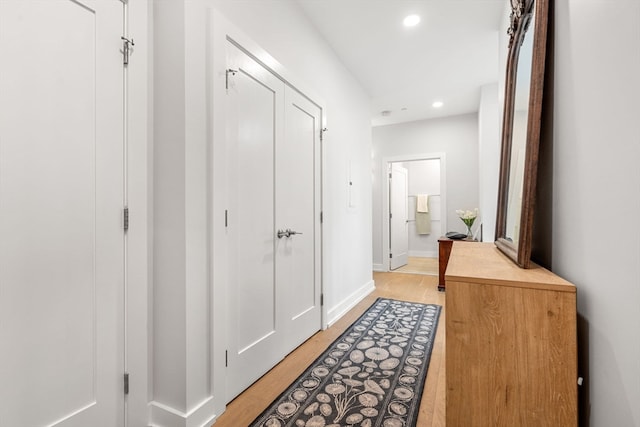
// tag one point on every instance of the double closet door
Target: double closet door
(273, 219)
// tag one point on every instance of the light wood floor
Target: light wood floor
(418, 265)
(408, 287)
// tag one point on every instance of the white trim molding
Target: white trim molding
(339, 310)
(166, 416)
(140, 192)
(378, 267)
(423, 254)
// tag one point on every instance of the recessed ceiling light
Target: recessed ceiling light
(411, 21)
(437, 104)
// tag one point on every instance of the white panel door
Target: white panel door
(298, 178)
(61, 199)
(398, 217)
(274, 185)
(256, 101)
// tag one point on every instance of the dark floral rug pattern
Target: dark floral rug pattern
(371, 376)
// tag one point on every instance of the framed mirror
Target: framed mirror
(524, 86)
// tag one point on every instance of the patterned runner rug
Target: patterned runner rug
(371, 376)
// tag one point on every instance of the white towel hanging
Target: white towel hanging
(422, 203)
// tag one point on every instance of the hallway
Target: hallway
(409, 287)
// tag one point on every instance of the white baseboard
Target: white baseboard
(165, 416)
(378, 267)
(424, 254)
(335, 313)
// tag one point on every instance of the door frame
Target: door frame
(384, 179)
(224, 31)
(138, 190)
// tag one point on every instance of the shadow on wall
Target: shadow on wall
(623, 407)
(542, 238)
(584, 399)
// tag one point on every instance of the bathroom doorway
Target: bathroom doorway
(419, 219)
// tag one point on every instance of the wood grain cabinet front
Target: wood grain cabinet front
(511, 342)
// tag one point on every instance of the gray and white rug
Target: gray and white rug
(371, 376)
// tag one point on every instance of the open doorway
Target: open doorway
(414, 206)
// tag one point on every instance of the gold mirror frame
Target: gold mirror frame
(521, 14)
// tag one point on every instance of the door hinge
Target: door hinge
(390, 215)
(126, 49)
(126, 383)
(226, 218)
(322, 131)
(322, 299)
(125, 219)
(321, 217)
(233, 73)
(390, 255)
(389, 175)
(226, 358)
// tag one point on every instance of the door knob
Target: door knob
(291, 232)
(287, 233)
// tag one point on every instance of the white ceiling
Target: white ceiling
(448, 56)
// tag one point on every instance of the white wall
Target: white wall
(188, 381)
(597, 181)
(182, 389)
(457, 137)
(490, 116)
(489, 158)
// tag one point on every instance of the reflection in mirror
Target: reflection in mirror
(519, 134)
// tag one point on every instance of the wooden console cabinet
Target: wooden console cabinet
(444, 250)
(511, 344)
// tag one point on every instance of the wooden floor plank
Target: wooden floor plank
(419, 265)
(407, 287)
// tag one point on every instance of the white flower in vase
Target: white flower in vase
(468, 217)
